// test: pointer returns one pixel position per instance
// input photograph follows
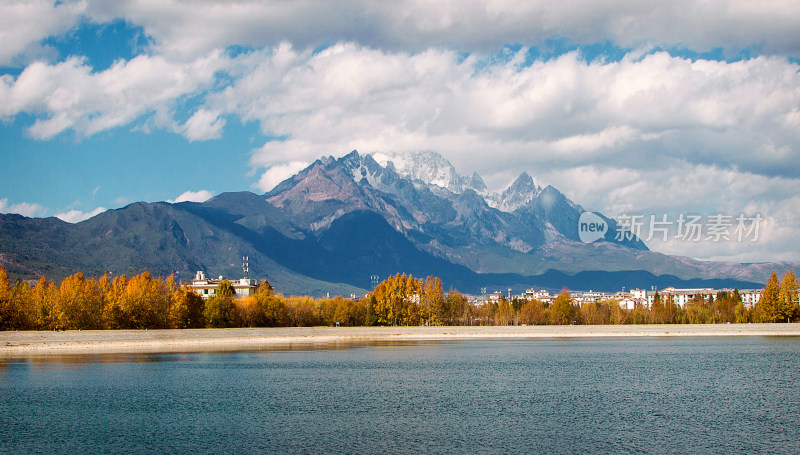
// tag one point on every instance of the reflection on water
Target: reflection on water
(640, 395)
(134, 357)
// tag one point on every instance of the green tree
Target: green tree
(219, 312)
(225, 289)
(697, 311)
(371, 318)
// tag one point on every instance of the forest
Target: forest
(145, 302)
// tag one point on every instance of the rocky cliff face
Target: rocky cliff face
(427, 200)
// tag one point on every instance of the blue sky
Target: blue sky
(636, 107)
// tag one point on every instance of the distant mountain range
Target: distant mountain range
(331, 226)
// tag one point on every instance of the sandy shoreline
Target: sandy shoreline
(14, 344)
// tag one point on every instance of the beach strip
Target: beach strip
(241, 339)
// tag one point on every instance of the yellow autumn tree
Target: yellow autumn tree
(113, 315)
(144, 303)
(788, 297)
(42, 306)
(186, 309)
(768, 308)
(432, 308)
(272, 307)
(14, 307)
(563, 311)
(398, 299)
(79, 304)
(7, 312)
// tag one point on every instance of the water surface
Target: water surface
(632, 395)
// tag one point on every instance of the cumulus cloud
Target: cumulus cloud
(186, 29)
(650, 133)
(76, 216)
(28, 209)
(192, 196)
(24, 24)
(202, 126)
(563, 112)
(69, 95)
(691, 190)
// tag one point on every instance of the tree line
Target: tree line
(145, 302)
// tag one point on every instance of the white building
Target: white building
(533, 294)
(629, 303)
(206, 287)
(750, 296)
(681, 297)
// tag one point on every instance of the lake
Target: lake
(588, 395)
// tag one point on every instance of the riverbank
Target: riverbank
(200, 340)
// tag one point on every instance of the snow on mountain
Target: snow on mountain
(521, 193)
(434, 169)
(431, 168)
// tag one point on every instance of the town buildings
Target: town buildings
(635, 297)
(206, 287)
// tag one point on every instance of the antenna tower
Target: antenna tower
(246, 266)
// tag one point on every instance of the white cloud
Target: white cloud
(68, 95)
(278, 173)
(192, 196)
(28, 209)
(702, 191)
(651, 133)
(564, 112)
(186, 29)
(711, 134)
(203, 125)
(23, 24)
(76, 216)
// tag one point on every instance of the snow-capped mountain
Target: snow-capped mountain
(332, 225)
(431, 168)
(432, 216)
(434, 169)
(519, 194)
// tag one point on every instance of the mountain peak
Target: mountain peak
(522, 192)
(476, 182)
(431, 168)
(523, 183)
